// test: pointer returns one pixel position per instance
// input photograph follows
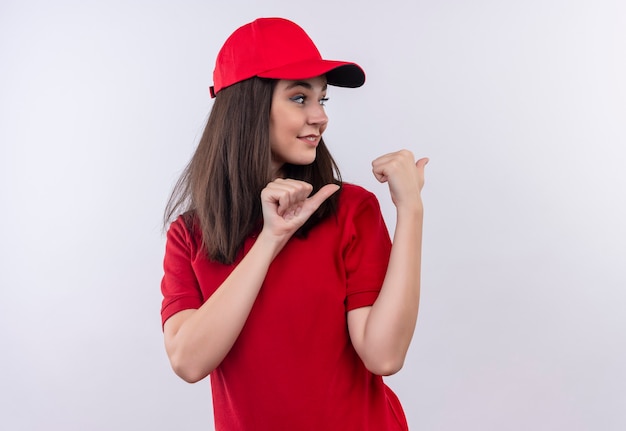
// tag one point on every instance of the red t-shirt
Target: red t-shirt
(293, 366)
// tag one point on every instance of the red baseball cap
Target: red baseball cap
(279, 49)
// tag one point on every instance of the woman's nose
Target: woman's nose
(317, 115)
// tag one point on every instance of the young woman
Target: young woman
(280, 280)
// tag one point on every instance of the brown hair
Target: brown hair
(219, 191)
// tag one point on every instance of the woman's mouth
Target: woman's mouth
(310, 139)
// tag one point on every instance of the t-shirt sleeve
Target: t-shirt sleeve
(179, 284)
(367, 254)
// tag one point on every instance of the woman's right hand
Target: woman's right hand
(287, 206)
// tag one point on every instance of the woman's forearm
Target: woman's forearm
(197, 340)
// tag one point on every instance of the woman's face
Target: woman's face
(297, 121)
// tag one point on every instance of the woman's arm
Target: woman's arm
(196, 341)
(381, 334)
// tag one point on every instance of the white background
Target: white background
(521, 106)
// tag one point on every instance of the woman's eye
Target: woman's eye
(302, 99)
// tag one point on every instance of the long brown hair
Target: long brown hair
(219, 191)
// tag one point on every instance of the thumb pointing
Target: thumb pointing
(324, 193)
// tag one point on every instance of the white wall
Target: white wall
(521, 107)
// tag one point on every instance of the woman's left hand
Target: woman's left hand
(404, 176)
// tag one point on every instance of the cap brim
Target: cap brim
(338, 73)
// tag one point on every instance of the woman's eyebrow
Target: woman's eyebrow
(304, 84)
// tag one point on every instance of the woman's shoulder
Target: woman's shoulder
(185, 226)
(185, 221)
(359, 211)
(355, 198)
(355, 193)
